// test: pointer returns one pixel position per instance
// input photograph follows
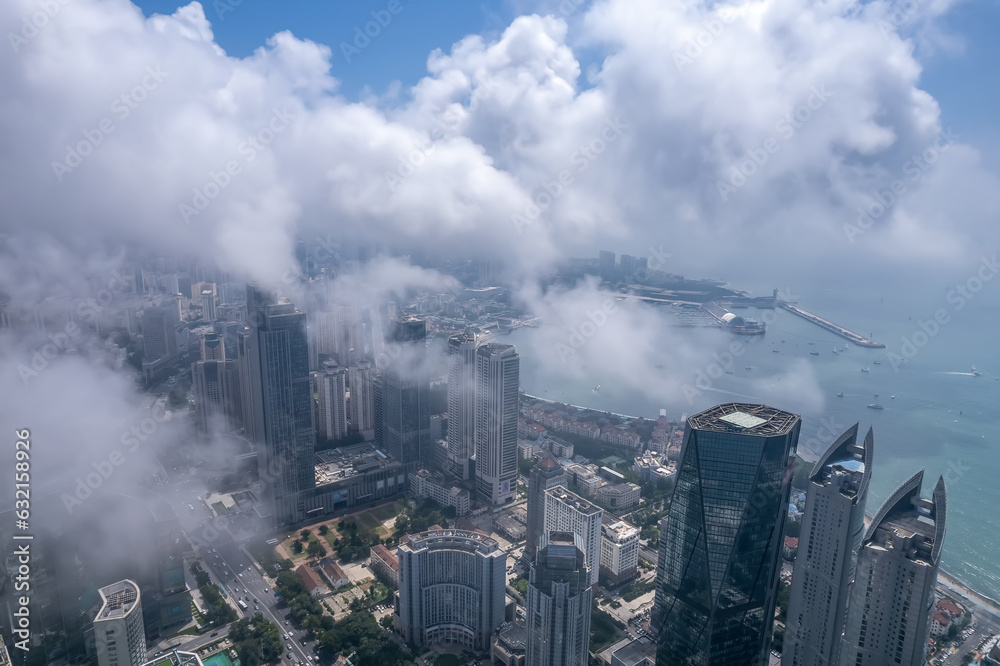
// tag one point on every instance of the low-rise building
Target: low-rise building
(619, 552)
(510, 528)
(640, 652)
(621, 436)
(424, 483)
(172, 658)
(385, 565)
(790, 548)
(621, 496)
(585, 479)
(313, 584)
(508, 644)
(333, 573)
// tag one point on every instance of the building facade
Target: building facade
(619, 552)
(497, 397)
(119, 632)
(451, 588)
(281, 404)
(424, 483)
(462, 404)
(559, 604)
(362, 408)
(217, 400)
(892, 597)
(547, 473)
(405, 387)
(331, 386)
(826, 552)
(568, 512)
(720, 542)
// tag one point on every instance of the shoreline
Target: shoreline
(962, 589)
(586, 409)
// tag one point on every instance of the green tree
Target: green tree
(323, 529)
(316, 549)
(297, 547)
(305, 534)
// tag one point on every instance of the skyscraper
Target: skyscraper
(559, 604)
(606, 264)
(213, 347)
(461, 403)
(217, 399)
(278, 358)
(208, 311)
(547, 473)
(405, 390)
(451, 588)
(497, 384)
(892, 597)
(159, 334)
(568, 512)
(331, 385)
(119, 633)
(360, 377)
(721, 540)
(832, 529)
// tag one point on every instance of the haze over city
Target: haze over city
(308, 311)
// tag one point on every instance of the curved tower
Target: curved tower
(832, 529)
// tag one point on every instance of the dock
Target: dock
(856, 338)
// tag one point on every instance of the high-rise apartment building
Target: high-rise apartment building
(560, 596)
(217, 399)
(497, 383)
(462, 403)
(721, 540)
(208, 305)
(892, 596)
(619, 552)
(119, 632)
(213, 347)
(547, 473)
(360, 378)
(405, 429)
(606, 264)
(568, 512)
(832, 528)
(281, 403)
(331, 387)
(451, 588)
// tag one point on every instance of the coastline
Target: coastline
(963, 590)
(586, 409)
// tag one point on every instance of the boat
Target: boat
(840, 395)
(866, 369)
(814, 353)
(877, 362)
(875, 405)
(975, 373)
(776, 351)
(892, 397)
(597, 388)
(834, 350)
(729, 372)
(748, 367)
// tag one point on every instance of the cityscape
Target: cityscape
(579, 333)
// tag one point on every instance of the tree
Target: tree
(323, 529)
(316, 549)
(305, 534)
(297, 547)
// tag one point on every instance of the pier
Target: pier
(856, 338)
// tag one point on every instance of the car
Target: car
(214, 634)
(286, 635)
(289, 646)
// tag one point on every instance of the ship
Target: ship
(875, 405)
(866, 369)
(814, 353)
(877, 362)
(840, 395)
(975, 373)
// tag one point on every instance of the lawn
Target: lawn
(367, 522)
(387, 511)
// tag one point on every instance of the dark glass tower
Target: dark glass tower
(721, 540)
(404, 389)
(559, 604)
(278, 363)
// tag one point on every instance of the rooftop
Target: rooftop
(442, 538)
(118, 600)
(573, 500)
(758, 420)
(348, 461)
(176, 658)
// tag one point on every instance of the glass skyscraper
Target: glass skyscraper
(721, 540)
(281, 403)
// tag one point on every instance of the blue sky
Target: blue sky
(962, 78)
